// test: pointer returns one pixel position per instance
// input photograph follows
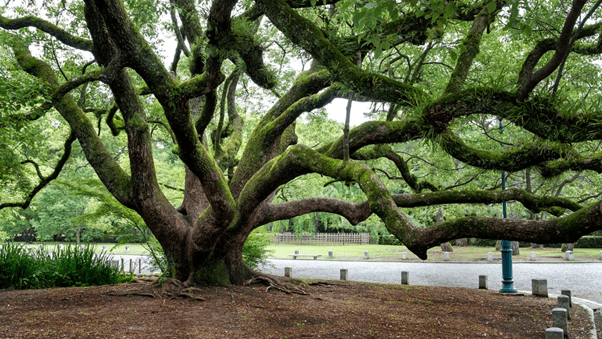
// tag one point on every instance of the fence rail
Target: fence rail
(323, 238)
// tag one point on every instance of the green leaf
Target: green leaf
(491, 6)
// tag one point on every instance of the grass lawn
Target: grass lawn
(394, 253)
(376, 252)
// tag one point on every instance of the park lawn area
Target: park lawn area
(394, 253)
(135, 249)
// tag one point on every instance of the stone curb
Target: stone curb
(583, 303)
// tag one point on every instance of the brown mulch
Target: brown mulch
(330, 310)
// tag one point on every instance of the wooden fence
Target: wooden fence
(323, 238)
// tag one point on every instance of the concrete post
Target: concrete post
(366, 256)
(554, 333)
(539, 287)
(288, 272)
(559, 320)
(563, 302)
(343, 274)
(482, 282)
(489, 256)
(296, 251)
(600, 255)
(330, 255)
(405, 278)
(127, 249)
(445, 256)
(104, 248)
(404, 255)
(532, 256)
(131, 268)
(568, 293)
(139, 266)
(569, 255)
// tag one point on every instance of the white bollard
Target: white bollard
(569, 255)
(104, 248)
(127, 249)
(539, 287)
(554, 333)
(405, 278)
(600, 255)
(81, 247)
(296, 251)
(489, 256)
(330, 254)
(532, 256)
(445, 256)
(343, 274)
(366, 256)
(404, 255)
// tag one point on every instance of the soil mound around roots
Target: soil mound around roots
(329, 310)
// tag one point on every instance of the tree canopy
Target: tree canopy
(205, 144)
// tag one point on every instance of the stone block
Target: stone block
(532, 257)
(330, 254)
(445, 256)
(482, 282)
(489, 256)
(563, 302)
(569, 255)
(539, 287)
(405, 278)
(559, 319)
(343, 274)
(288, 272)
(404, 255)
(127, 249)
(568, 294)
(554, 333)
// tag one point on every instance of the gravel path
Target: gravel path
(583, 279)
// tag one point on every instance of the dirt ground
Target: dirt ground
(330, 310)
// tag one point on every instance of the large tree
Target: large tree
(444, 70)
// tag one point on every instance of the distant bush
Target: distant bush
(589, 242)
(388, 239)
(255, 252)
(23, 268)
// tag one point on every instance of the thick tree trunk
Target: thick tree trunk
(446, 246)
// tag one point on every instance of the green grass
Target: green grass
(394, 253)
(376, 252)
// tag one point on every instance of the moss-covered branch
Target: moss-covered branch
(308, 36)
(385, 151)
(47, 27)
(471, 45)
(529, 79)
(511, 160)
(116, 180)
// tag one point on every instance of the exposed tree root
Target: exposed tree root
(170, 289)
(277, 284)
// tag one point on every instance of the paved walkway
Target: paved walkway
(583, 279)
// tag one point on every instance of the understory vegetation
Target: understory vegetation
(22, 268)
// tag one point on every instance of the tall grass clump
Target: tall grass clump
(19, 269)
(70, 266)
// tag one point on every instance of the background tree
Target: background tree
(229, 102)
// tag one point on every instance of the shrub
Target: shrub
(388, 239)
(72, 266)
(589, 242)
(254, 252)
